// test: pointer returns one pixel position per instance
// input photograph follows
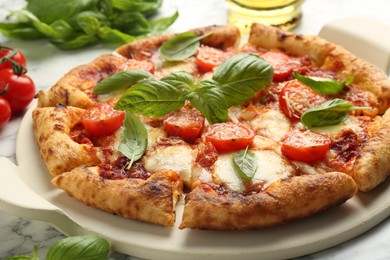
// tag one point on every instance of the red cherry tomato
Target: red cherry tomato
(102, 119)
(185, 123)
(282, 64)
(19, 90)
(18, 57)
(305, 146)
(134, 64)
(5, 112)
(229, 136)
(295, 98)
(208, 58)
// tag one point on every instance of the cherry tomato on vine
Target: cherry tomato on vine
(5, 112)
(17, 57)
(102, 119)
(18, 90)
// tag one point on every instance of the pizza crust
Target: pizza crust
(284, 200)
(60, 153)
(151, 201)
(75, 87)
(372, 166)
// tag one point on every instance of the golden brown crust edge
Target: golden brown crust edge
(151, 201)
(284, 200)
(59, 152)
(327, 55)
(372, 166)
(72, 88)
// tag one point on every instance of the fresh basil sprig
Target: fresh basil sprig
(234, 82)
(121, 80)
(134, 139)
(181, 46)
(245, 164)
(323, 85)
(331, 112)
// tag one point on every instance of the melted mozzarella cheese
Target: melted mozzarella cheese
(114, 94)
(154, 134)
(270, 167)
(272, 124)
(178, 158)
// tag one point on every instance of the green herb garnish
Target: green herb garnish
(245, 164)
(323, 85)
(235, 81)
(134, 139)
(331, 112)
(181, 46)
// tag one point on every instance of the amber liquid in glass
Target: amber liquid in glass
(285, 14)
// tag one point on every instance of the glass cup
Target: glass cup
(285, 14)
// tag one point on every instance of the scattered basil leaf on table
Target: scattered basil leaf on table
(323, 85)
(79, 247)
(332, 112)
(121, 80)
(134, 138)
(181, 46)
(245, 164)
(73, 23)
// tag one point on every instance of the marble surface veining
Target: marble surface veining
(46, 64)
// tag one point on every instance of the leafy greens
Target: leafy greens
(71, 24)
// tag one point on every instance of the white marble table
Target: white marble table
(46, 64)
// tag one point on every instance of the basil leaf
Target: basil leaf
(241, 76)
(134, 139)
(180, 80)
(245, 164)
(160, 25)
(79, 247)
(121, 80)
(151, 98)
(210, 102)
(331, 112)
(323, 85)
(181, 46)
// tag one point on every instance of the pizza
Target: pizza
(245, 135)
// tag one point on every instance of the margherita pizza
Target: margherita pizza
(253, 135)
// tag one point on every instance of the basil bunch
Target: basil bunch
(70, 24)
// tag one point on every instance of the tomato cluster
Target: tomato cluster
(17, 89)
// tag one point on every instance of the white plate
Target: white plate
(25, 190)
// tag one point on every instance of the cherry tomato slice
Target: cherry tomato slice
(282, 64)
(5, 112)
(18, 57)
(208, 58)
(185, 123)
(19, 90)
(102, 119)
(305, 146)
(134, 64)
(295, 98)
(229, 136)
